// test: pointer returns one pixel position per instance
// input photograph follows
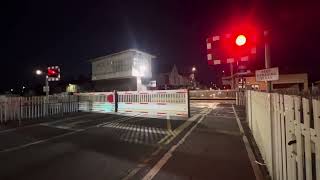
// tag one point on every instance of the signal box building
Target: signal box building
(126, 70)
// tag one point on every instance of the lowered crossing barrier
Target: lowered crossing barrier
(103, 102)
(158, 103)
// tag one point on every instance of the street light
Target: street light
(38, 72)
(194, 69)
(46, 88)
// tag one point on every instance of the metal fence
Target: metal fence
(213, 94)
(17, 108)
(286, 129)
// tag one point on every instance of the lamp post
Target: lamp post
(46, 87)
(194, 69)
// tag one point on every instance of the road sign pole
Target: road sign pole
(47, 86)
(267, 59)
(232, 76)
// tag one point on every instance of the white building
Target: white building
(126, 70)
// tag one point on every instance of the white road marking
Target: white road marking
(154, 171)
(77, 122)
(48, 139)
(135, 128)
(255, 167)
(69, 119)
(69, 126)
(37, 124)
(118, 120)
(61, 127)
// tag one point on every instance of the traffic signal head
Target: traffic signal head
(53, 73)
(231, 47)
(236, 41)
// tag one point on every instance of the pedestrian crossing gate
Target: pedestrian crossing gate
(157, 103)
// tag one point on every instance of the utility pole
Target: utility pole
(267, 59)
(47, 87)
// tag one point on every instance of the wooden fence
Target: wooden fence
(17, 108)
(286, 129)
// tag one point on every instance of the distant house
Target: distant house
(172, 79)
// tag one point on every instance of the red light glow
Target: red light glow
(51, 72)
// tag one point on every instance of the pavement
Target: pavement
(93, 146)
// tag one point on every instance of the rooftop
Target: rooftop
(122, 52)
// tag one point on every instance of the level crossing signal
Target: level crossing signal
(53, 73)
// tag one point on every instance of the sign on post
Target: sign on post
(271, 74)
(46, 88)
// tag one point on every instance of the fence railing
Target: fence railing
(157, 103)
(17, 108)
(240, 98)
(286, 129)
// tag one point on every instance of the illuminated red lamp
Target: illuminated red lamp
(52, 72)
(241, 40)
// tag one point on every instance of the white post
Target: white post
(139, 83)
(316, 117)
(307, 138)
(267, 59)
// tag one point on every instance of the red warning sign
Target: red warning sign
(110, 98)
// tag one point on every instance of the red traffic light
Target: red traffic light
(241, 40)
(53, 73)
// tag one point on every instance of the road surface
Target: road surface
(104, 146)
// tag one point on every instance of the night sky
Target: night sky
(68, 33)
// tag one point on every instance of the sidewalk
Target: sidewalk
(214, 150)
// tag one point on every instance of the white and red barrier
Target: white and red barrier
(157, 103)
(97, 102)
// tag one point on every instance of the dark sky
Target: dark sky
(38, 33)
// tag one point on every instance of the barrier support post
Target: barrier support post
(188, 101)
(115, 101)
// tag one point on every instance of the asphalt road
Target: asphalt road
(103, 146)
